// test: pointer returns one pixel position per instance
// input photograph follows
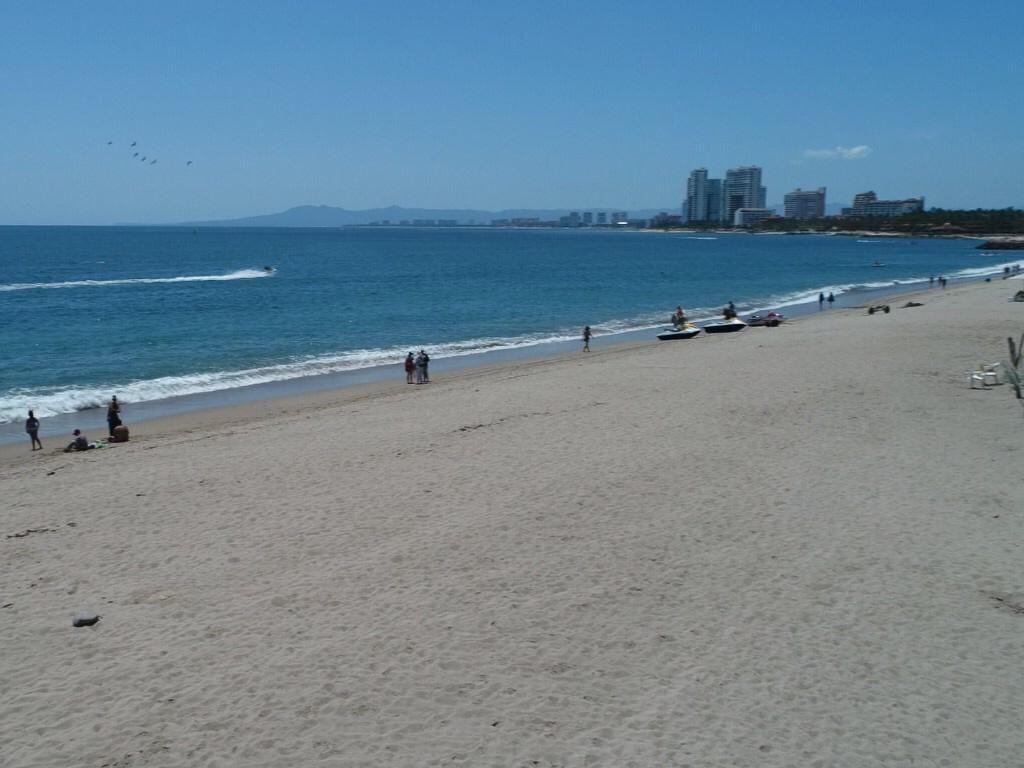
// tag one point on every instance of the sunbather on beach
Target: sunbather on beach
(80, 443)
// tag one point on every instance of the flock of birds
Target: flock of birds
(143, 158)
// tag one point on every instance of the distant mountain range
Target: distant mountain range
(327, 216)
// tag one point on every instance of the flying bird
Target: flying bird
(152, 162)
(189, 163)
(134, 143)
(143, 158)
(136, 154)
(109, 143)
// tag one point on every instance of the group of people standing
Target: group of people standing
(118, 432)
(416, 368)
(821, 299)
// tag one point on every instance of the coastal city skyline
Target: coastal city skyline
(243, 110)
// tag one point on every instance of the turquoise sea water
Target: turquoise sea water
(155, 313)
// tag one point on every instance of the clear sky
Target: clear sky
(499, 105)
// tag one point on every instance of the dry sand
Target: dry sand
(789, 547)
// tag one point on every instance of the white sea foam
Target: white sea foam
(241, 274)
(15, 403)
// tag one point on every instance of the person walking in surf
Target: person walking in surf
(586, 338)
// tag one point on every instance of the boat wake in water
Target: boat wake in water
(241, 274)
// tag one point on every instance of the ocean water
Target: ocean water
(156, 313)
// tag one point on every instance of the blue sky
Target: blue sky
(498, 105)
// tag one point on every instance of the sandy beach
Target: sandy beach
(785, 547)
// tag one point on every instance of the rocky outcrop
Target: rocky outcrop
(1001, 244)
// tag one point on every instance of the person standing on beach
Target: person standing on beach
(586, 338)
(426, 367)
(113, 415)
(831, 299)
(821, 300)
(420, 365)
(32, 428)
(931, 281)
(410, 367)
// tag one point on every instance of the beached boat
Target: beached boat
(687, 331)
(770, 320)
(731, 325)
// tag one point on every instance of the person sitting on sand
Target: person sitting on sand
(80, 443)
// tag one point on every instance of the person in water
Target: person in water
(32, 429)
(821, 300)
(831, 299)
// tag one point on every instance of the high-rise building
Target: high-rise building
(861, 200)
(749, 217)
(716, 200)
(703, 198)
(868, 204)
(602, 217)
(805, 204)
(743, 189)
(588, 218)
(696, 207)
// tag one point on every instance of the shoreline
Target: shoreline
(92, 421)
(325, 391)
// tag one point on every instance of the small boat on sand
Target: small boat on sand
(687, 331)
(770, 320)
(730, 325)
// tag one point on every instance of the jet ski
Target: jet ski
(684, 331)
(770, 320)
(731, 325)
